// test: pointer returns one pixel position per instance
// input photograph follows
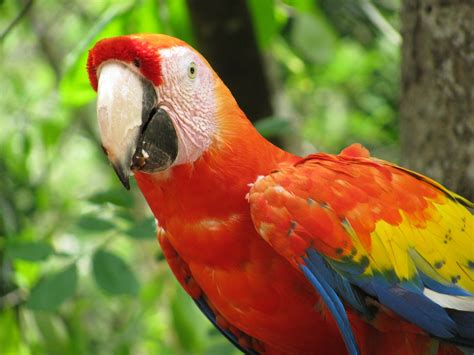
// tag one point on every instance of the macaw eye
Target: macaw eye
(192, 70)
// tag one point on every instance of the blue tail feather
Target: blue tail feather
(335, 306)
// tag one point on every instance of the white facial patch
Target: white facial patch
(187, 94)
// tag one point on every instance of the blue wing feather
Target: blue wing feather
(404, 298)
(342, 286)
(441, 288)
(416, 308)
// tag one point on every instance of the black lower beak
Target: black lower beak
(157, 146)
(123, 175)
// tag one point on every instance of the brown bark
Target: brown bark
(226, 37)
(437, 104)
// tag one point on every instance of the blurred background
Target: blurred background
(80, 269)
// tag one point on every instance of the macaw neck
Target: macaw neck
(215, 185)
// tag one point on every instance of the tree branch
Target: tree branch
(16, 20)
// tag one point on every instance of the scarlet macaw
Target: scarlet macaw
(285, 255)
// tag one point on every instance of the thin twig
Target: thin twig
(381, 23)
(16, 20)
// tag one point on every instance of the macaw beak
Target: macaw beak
(136, 134)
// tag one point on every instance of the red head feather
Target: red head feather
(140, 50)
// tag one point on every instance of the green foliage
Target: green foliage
(113, 275)
(263, 16)
(31, 251)
(10, 334)
(144, 229)
(80, 269)
(188, 322)
(272, 126)
(53, 290)
(344, 88)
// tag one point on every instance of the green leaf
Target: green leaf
(272, 126)
(51, 131)
(144, 229)
(92, 223)
(10, 335)
(31, 251)
(143, 18)
(220, 346)
(313, 38)
(118, 197)
(113, 275)
(54, 289)
(302, 5)
(263, 17)
(53, 332)
(179, 21)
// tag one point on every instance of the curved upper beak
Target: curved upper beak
(135, 133)
(119, 112)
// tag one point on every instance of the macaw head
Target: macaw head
(159, 103)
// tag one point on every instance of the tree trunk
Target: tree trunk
(437, 104)
(226, 37)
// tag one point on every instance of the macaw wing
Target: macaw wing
(358, 227)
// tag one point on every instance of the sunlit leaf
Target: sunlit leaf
(302, 5)
(263, 19)
(113, 275)
(10, 339)
(54, 289)
(31, 251)
(189, 323)
(179, 21)
(27, 273)
(144, 18)
(50, 132)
